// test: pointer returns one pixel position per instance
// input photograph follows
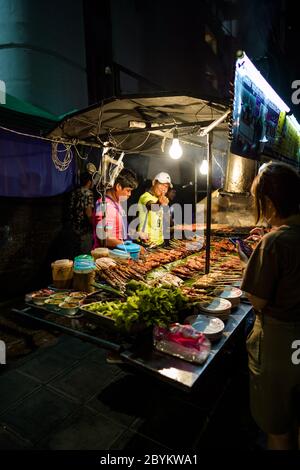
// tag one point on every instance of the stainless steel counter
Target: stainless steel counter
(177, 371)
(140, 354)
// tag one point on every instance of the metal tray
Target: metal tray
(107, 322)
(101, 320)
(55, 309)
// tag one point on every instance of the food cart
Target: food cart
(142, 125)
(117, 121)
(135, 345)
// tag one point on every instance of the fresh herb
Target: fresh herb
(149, 306)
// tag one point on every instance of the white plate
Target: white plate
(216, 305)
(206, 324)
(233, 294)
(229, 292)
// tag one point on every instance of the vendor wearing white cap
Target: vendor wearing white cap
(151, 208)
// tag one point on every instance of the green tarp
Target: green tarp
(21, 115)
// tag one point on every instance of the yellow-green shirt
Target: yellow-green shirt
(151, 222)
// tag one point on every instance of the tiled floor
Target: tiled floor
(66, 396)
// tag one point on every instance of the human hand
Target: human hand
(260, 231)
(143, 236)
(256, 234)
(243, 257)
(163, 200)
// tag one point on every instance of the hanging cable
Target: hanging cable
(61, 165)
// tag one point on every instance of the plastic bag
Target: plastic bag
(182, 341)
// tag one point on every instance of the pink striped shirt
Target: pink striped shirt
(112, 226)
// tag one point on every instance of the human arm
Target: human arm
(258, 303)
(256, 234)
(155, 206)
(242, 255)
(163, 200)
(262, 273)
(113, 242)
(153, 203)
(89, 206)
(142, 236)
(89, 213)
(109, 224)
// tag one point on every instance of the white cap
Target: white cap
(163, 177)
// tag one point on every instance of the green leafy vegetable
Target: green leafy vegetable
(150, 306)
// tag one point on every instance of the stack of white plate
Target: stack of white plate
(212, 327)
(217, 307)
(233, 294)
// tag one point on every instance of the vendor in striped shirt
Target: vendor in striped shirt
(110, 222)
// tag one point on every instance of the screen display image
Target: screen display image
(260, 121)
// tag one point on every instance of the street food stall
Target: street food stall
(106, 316)
(149, 309)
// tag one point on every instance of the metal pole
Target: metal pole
(196, 186)
(208, 201)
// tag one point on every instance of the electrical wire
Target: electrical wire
(78, 153)
(217, 163)
(134, 148)
(34, 136)
(61, 165)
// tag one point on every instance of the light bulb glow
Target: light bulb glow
(175, 150)
(204, 167)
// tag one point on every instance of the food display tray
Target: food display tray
(109, 323)
(101, 320)
(55, 309)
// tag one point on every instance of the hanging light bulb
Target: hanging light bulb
(203, 167)
(175, 150)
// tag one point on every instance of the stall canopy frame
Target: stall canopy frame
(141, 124)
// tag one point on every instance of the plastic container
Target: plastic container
(84, 262)
(99, 253)
(133, 249)
(182, 341)
(69, 308)
(119, 255)
(62, 273)
(83, 280)
(84, 273)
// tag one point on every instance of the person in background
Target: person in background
(81, 211)
(271, 281)
(150, 209)
(112, 229)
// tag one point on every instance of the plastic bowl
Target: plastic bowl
(52, 303)
(39, 300)
(69, 308)
(77, 295)
(60, 296)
